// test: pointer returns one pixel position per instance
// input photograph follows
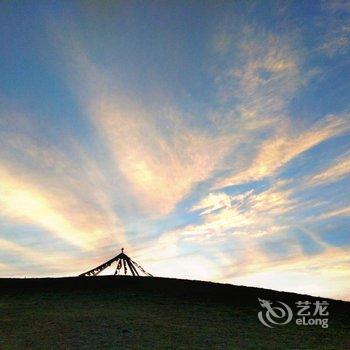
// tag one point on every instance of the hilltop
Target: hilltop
(154, 313)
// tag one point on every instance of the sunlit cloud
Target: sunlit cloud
(30, 253)
(335, 213)
(40, 186)
(243, 221)
(336, 39)
(36, 261)
(161, 165)
(22, 203)
(218, 200)
(264, 86)
(338, 169)
(262, 79)
(324, 274)
(248, 214)
(280, 149)
(159, 153)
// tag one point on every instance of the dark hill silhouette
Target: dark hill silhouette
(149, 312)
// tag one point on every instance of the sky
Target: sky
(209, 139)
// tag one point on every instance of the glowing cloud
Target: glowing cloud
(282, 148)
(339, 169)
(161, 165)
(41, 186)
(21, 202)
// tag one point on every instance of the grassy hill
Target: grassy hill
(153, 313)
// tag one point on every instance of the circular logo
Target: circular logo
(274, 315)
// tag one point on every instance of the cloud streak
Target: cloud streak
(41, 186)
(161, 165)
(338, 170)
(280, 149)
(161, 155)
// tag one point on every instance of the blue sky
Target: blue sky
(211, 140)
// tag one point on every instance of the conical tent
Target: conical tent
(124, 266)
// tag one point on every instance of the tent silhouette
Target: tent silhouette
(124, 265)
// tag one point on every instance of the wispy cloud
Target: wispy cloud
(36, 261)
(338, 169)
(320, 274)
(345, 211)
(21, 202)
(41, 186)
(249, 214)
(161, 155)
(266, 72)
(240, 231)
(262, 83)
(261, 78)
(336, 39)
(161, 159)
(218, 200)
(278, 150)
(31, 254)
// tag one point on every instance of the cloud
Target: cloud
(248, 214)
(165, 256)
(161, 154)
(338, 43)
(239, 233)
(219, 200)
(335, 21)
(280, 149)
(161, 164)
(23, 203)
(324, 274)
(65, 195)
(37, 259)
(261, 77)
(7, 270)
(337, 5)
(28, 253)
(194, 266)
(345, 211)
(263, 73)
(338, 170)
